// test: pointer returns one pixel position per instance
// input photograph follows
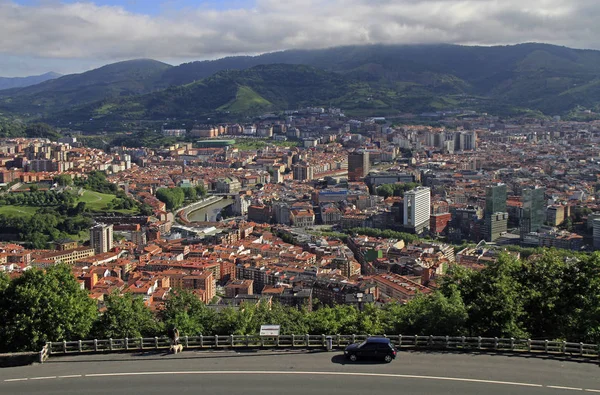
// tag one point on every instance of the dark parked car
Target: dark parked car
(373, 348)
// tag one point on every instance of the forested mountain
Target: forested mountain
(21, 82)
(374, 79)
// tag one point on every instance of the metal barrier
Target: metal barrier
(321, 342)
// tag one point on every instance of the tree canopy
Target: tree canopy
(387, 190)
(553, 295)
(172, 197)
(43, 306)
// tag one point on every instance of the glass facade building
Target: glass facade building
(534, 210)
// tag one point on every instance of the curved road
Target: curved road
(228, 372)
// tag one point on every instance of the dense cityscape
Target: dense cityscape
(326, 210)
(308, 197)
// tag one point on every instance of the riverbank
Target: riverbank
(183, 213)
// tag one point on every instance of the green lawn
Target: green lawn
(82, 236)
(95, 201)
(18, 211)
(256, 144)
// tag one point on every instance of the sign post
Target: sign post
(270, 330)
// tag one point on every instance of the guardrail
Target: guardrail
(322, 341)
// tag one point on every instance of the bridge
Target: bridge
(299, 372)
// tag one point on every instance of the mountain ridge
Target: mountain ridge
(380, 78)
(22, 82)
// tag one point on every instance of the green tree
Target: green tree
(126, 316)
(432, 314)
(172, 197)
(385, 190)
(493, 297)
(39, 307)
(201, 191)
(188, 314)
(190, 193)
(63, 180)
(42, 130)
(4, 281)
(146, 209)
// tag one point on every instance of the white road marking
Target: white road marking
(72, 376)
(357, 374)
(222, 372)
(565, 388)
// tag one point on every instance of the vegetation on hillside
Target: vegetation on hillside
(113, 80)
(175, 197)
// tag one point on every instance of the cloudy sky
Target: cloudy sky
(69, 36)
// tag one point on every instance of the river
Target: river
(211, 211)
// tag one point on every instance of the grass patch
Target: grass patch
(81, 237)
(95, 201)
(256, 144)
(18, 211)
(245, 100)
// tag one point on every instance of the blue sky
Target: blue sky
(157, 7)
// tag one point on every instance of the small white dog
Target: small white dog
(175, 348)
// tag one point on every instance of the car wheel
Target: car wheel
(387, 358)
(353, 357)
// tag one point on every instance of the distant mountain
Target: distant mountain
(374, 79)
(252, 91)
(544, 77)
(21, 82)
(114, 80)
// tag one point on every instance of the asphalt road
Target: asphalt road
(194, 372)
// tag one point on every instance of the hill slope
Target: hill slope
(375, 79)
(21, 82)
(119, 79)
(525, 75)
(252, 91)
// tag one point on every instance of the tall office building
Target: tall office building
(417, 209)
(596, 224)
(495, 218)
(495, 199)
(465, 141)
(358, 165)
(534, 210)
(101, 238)
(302, 171)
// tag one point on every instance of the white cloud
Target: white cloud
(84, 31)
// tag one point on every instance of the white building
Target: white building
(241, 204)
(174, 132)
(417, 209)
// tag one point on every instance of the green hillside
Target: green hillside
(370, 80)
(115, 80)
(246, 100)
(536, 76)
(247, 92)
